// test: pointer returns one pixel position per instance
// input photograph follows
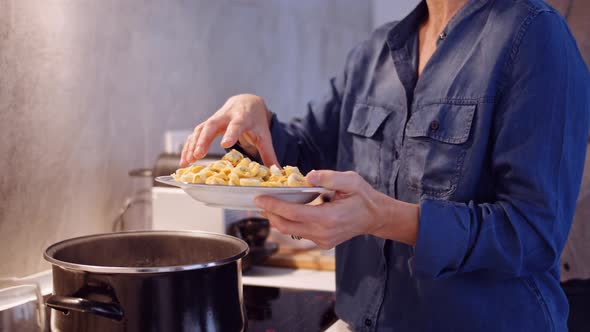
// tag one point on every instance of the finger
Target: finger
(210, 130)
(247, 142)
(193, 142)
(292, 211)
(347, 182)
(183, 155)
(182, 161)
(232, 134)
(266, 150)
(286, 226)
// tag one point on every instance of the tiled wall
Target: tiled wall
(87, 89)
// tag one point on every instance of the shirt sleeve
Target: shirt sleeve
(311, 141)
(537, 149)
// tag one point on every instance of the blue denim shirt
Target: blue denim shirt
(489, 141)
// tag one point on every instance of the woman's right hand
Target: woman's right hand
(244, 119)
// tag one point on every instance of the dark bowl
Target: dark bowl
(253, 231)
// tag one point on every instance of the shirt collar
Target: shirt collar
(399, 34)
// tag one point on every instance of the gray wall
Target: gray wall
(87, 88)
(384, 11)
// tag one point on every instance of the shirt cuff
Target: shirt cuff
(443, 239)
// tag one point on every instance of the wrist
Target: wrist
(396, 220)
(382, 222)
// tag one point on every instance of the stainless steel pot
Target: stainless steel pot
(148, 281)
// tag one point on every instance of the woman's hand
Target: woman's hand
(356, 209)
(244, 119)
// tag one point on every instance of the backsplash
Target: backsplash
(87, 89)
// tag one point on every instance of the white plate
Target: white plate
(242, 198)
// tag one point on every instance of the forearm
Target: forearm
(452, 237)
(506, 239)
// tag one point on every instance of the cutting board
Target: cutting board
(302, 259)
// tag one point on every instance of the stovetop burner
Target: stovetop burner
(272, 309)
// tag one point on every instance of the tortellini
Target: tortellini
(236, 170)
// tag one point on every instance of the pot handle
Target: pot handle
(67, 303)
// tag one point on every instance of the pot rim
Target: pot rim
(52, 249)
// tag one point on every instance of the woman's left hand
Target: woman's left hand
(356, 209)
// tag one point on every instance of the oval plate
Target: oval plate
(242, 197)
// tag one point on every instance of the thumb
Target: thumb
(346, 182)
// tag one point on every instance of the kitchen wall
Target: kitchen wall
(384, 11)
(87, 89)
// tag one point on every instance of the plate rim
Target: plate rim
(169, 180)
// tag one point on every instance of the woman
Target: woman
(458, 135)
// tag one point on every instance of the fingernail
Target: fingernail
(313, 178)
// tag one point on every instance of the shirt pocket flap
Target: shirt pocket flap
(366, 119)
(447, 123)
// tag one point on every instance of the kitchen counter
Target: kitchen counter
(290, 278)
(256, 276)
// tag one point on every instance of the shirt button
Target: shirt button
(442, 36)
(396, 155)
(368, 322)
(566, 266)
(434, 125)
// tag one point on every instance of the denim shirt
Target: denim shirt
(490, 141)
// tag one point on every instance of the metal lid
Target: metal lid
(146, 251)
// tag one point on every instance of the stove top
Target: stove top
(273, 309)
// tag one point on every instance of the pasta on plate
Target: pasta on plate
(236, 170)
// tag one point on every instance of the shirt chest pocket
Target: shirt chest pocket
(366, 140)
(436, 144)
